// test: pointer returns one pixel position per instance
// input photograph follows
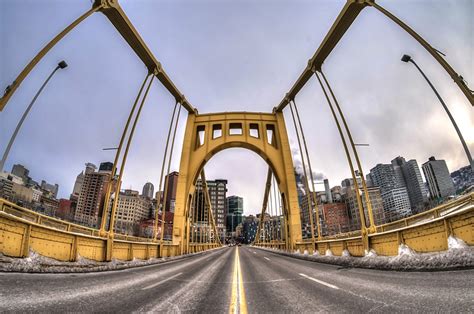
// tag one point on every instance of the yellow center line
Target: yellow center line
(238, 303)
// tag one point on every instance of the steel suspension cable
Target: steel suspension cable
(124, 159)
(155, 229)
(163, 212)
(201, 213)
(346, 150)
(308, 193)
(356, 155)
(309, 165)
(270, 225)
(261, 225)
(275, 196)
(191, 223)
(105, 208)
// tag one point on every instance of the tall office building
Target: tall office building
(51, 188)
(76, 190)
(235, 209)
(250, 226)
(172, 181)
(131, 209)
(334, 218)
(411, 178)
(106, 166)
(396, 202)
(217, 193)
(148, 190)
(304, 209)
(376, 201)
(439, 180)
(91, 198)
(22, 172)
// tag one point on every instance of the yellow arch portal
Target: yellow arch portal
(262, 133)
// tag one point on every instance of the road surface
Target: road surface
(243, 279)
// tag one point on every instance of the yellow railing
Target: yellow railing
(424, 232)
(438, 211)
(23, 230)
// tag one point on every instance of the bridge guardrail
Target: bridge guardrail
(424, 232)
(22, 230)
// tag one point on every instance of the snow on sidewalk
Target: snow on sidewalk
(459, 255)
(37, 263)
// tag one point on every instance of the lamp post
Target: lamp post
(61, 65)
(407, 58)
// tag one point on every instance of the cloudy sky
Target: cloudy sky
(233, 56)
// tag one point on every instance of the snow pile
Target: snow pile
(316, 253)
(346, 253)
(455, 243)
(328, 252)
(459, 255)
(36, 263)
(370, 253)
(305, 253)
(403, 249)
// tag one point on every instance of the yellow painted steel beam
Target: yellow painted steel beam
(119, 19)
(346, 17)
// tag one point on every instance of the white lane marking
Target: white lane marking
(266, 258)
(319, 281)
(160, 282)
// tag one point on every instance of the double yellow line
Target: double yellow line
(238, 302)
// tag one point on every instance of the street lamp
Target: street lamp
(61, 65)
(407, 58)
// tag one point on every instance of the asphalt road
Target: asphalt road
(250, 280)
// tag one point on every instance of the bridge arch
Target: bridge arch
(262, 133)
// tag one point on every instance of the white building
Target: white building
(131, 209)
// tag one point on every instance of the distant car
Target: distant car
(239, 244)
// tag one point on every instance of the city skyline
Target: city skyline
(221, 75)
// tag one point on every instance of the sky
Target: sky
(236, 55)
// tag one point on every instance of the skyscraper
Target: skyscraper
(148, 190)
(131, 209)
(106, 166)
(51, 188)
(439, 180)
(92, 196)
(376, 201)
(22, 172)
(217, 193)
(411, 176)
(172, 181)
(396, 202)
(76, 190)
(235, 209)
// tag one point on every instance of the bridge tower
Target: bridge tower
(262, 133)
